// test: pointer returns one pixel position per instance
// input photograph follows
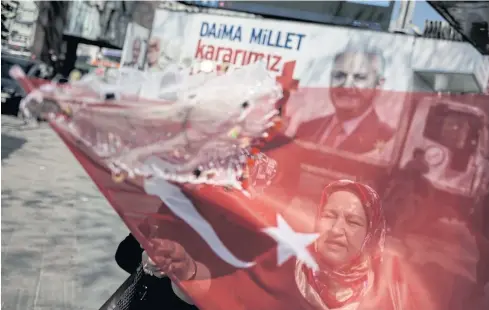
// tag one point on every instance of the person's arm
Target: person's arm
(128, 254)
(175, 262)
(199, 285)
(180, 294)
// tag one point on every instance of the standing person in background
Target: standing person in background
(407, 196)
(482, 241)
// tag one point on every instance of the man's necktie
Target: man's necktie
(333, 135)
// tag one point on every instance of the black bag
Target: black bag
(130, 295)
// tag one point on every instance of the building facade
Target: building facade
(21, 26)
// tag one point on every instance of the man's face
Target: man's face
(354, 79)
(136, 51)
(153, 52)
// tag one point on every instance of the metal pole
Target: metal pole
(405, 15)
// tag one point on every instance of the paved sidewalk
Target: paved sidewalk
(59, 234)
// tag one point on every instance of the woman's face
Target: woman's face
(343, 228)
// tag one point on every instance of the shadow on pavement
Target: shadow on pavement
(68, 247)
(10, 145)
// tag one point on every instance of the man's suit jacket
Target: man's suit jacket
(362, 139)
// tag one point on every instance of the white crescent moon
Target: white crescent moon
(183, 208)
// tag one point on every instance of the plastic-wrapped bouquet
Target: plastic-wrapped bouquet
(205, 136)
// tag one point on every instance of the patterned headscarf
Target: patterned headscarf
(341, 286)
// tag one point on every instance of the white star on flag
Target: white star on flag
(291, 243)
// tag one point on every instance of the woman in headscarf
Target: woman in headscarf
(354, 272)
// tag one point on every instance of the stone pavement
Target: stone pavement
(59, 235)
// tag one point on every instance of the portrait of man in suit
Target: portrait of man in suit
(154, 49)
(356, 78)
(158, 57)
(136, 52)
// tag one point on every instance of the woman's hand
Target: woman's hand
(170, 259)
(150, 267)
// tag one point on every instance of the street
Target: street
(59, 235)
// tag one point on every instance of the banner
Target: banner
(192, 38)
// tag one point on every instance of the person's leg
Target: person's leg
(482, 267)
(480, 229)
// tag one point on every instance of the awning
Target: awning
(470, 18)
